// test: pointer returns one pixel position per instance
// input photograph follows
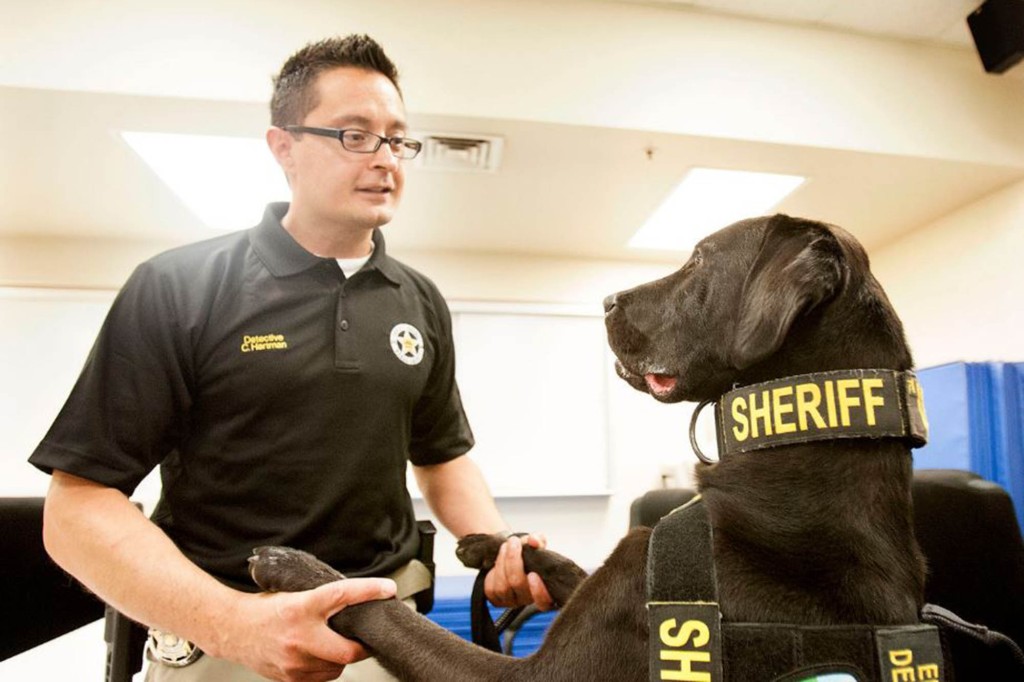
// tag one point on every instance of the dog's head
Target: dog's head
(763, 298)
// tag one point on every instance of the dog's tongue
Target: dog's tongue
(660, 383)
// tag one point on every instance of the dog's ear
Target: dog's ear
(799, 266)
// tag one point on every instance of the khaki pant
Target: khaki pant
(411, 578)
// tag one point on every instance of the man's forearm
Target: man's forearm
(459, 496)
(96, 534)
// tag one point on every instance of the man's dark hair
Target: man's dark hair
(294, 87)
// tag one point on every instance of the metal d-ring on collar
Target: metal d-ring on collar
(693, 433)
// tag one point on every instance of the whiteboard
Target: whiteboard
(534, 386)
(533, 380)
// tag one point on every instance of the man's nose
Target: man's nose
(385, 157)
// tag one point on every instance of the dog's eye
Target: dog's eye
(697, 259)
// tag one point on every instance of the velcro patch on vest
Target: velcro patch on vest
(685, 641)
(863, 403)
(911, 653)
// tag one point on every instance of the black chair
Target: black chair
(648, 509)
(40, 600)
(968, 531)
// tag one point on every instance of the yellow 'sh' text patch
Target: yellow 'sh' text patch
(685, 642)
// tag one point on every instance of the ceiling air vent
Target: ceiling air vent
(458, 152)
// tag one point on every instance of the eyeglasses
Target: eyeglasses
(364, 142)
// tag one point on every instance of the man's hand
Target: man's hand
(507, 584)
(284, 636)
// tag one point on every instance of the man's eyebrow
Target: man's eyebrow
(363, 122)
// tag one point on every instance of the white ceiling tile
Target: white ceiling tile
(801, 11)
(939, 21)
(912, 19)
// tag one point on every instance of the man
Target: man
(281, 378)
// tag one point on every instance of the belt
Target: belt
(411, 578)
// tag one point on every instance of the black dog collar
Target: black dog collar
(857, 403)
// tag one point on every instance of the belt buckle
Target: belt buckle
(170, 650)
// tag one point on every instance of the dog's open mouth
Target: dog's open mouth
(660, 384)
(656, 381)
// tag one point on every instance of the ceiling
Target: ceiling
(930, 21)
(82, 180)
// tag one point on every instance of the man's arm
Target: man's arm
(96, 534)
(458, 494)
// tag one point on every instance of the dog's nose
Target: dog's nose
(609, 303)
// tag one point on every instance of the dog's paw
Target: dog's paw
(283, 569)
(479, 550)
(560, 575)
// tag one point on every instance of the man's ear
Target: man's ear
(280, 143)
(799, 266)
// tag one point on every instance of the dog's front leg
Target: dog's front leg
(415, 649)
(408, 645)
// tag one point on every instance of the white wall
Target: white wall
(958, 284)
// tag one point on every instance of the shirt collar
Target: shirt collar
(284, 256)
(380, 260)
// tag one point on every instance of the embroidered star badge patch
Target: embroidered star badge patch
(407, 343)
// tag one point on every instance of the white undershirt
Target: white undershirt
(351, 266)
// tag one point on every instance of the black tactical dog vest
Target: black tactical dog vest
(689, 641)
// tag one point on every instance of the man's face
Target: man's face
(335, 185)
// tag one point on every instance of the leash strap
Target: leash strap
(860, 403)
(482, 628)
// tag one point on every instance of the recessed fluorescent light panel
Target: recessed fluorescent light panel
(708, 199)
(224, 181)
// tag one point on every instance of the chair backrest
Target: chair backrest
(40, 601)
(648, 509)
(968, 531)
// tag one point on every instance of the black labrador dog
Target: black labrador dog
(815, 534)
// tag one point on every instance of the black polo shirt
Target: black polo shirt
(280, 399)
